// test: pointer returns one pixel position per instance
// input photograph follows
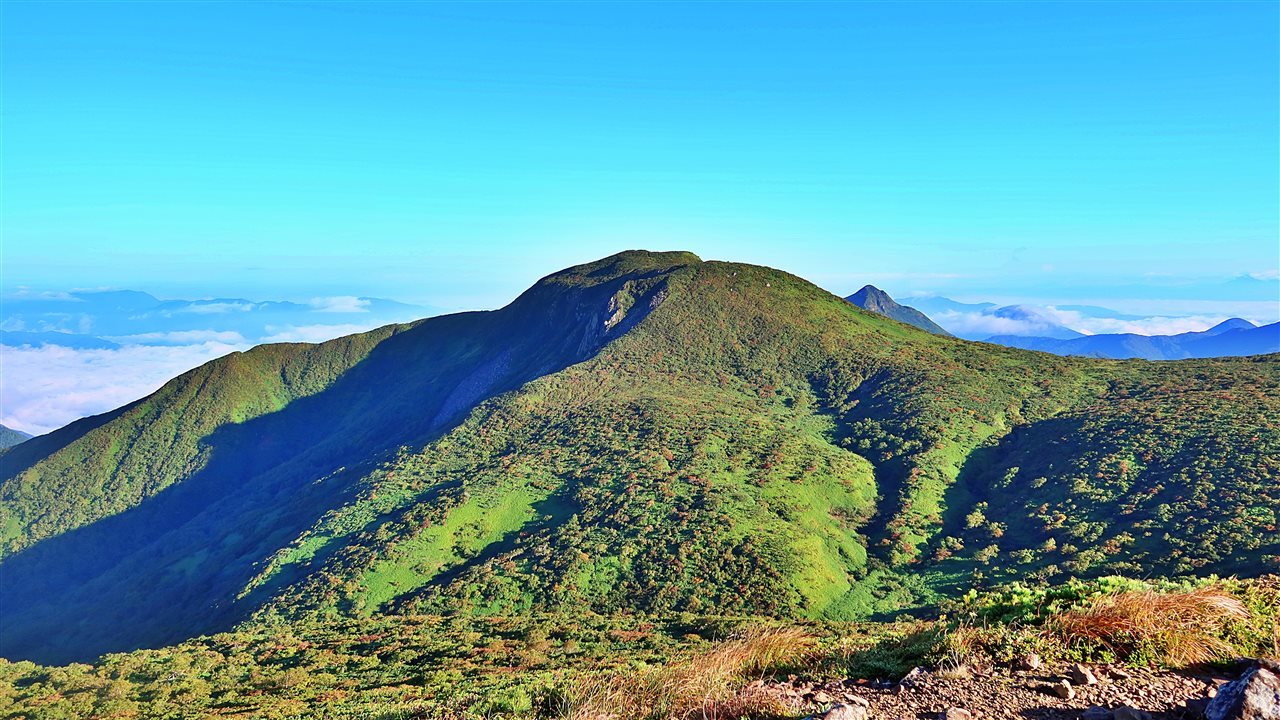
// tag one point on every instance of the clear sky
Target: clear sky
(449, 154)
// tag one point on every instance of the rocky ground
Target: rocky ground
(1074, 692)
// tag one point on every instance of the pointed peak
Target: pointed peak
(871, 295)
(871, 290)
(875, 300)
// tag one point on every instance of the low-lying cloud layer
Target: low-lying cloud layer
(70, 355)
(49, 386)
(1048, 319)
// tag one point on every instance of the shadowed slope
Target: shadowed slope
(648, 432)
(216, 469)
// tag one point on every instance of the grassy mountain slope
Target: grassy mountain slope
(10, 437)
(648, 432)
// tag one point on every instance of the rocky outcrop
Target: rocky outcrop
(1254, 696)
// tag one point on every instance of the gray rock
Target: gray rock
(955, 714)
(1096, 713)
(1254, 696)
(916, 677)
(1128, 713)
(1082, 675)
(1063, 690)
(853, 710)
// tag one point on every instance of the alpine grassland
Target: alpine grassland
(641, 439)
(571, 666)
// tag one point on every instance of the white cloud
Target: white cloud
(24, 292)
(214, 308)
(1040, 320)
(340, 304)
(182, 337)
(1154, 325)
(43, 388)
(312, 333)
(46, 387)
(986, 324)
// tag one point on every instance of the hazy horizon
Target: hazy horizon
(48, 383)
(448, 155)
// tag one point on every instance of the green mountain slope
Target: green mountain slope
(648, 432)
(10, 437)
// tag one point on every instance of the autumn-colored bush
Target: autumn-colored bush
(1174, 628)
(708, 685)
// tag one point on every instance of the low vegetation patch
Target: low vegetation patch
(706, 685)
(1169, 624)
(587, 667)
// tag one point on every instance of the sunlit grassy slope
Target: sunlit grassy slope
(648, 432)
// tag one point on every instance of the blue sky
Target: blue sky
(448, 155)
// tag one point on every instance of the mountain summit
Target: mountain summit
(876, 300)
(645, 433)
(1229, 325)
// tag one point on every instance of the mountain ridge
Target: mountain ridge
(642, 433)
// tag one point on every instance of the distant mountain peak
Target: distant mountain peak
(873, 299)
(1230, 324)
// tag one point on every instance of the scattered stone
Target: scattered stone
(1254, 696)
(854, 710)
(1006, 695)
(1082, 675)
(916, 677)
(955, 714)
(1061, 689)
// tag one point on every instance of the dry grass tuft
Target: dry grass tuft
(711, 685)
(1178, 629)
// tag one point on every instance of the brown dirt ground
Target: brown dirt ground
(1005, 694)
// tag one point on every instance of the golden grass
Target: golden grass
(1178, 629)
(712, 685)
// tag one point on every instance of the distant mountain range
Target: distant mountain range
(1038, 330)
(10, 437)
(1234, 337)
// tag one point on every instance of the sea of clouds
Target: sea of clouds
(65, 356)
